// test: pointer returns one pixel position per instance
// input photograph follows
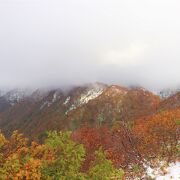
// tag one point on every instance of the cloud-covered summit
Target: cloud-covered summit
(50, 43)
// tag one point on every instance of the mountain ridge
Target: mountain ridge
(93, 105)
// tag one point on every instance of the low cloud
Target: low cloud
(63, 43)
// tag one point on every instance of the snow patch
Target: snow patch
(55, 97)
(67, 100)
(43, 105)
(70, 109)
(172, 172)
(90, 94)
(16, 95)
(168, 92)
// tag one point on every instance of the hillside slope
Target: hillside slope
(92, 105)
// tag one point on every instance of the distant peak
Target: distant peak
(114, 90)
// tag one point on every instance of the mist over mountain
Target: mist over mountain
(37, 110)
(63, 43)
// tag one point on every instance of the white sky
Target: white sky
(65, 42)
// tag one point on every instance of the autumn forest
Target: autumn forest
(115, 152)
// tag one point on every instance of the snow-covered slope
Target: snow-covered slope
(50, 98)
(16, 95)
(168, 92)
(91, 92)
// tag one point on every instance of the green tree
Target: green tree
(69, 157)
(102, 168)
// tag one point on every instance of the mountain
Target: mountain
(171, 102)
(114, 104)
(44, 109)
(165, 93)
(34, 112)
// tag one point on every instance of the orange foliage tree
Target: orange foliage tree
(17, 159)
(159, 134)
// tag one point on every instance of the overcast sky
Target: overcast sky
(65, 42)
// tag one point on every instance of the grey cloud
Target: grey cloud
(56, 42)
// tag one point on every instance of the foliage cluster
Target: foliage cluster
(149, 138)
(91, 153)
(58, 158)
